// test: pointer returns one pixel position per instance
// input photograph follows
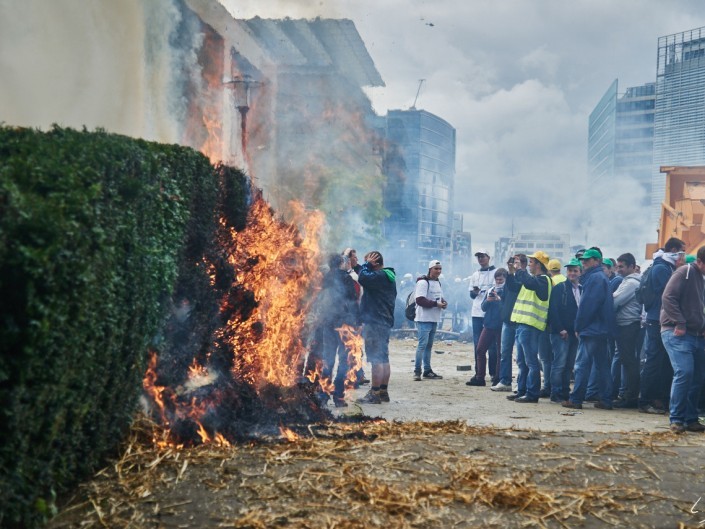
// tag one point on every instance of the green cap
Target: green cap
(690, 258)
(575, 262)
(591, 253)
(607, 261)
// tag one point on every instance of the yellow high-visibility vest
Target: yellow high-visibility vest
(531, 310)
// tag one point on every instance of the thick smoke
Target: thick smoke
(94, 64)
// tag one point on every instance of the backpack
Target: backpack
(645, 293)
(410, 310)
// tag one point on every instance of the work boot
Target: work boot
(384, 395)
(340, 402)
(475, 382)
(571, 404)
(372, 397)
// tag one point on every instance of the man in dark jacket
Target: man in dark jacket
(682, 326)
(594, 325)
(562, 310)
(377, 316)
(656, 371)
(509, 328)
(338, 306)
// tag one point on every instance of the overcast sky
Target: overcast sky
(518, 80)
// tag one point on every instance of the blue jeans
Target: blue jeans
(592, 350)
(333, 348)
(656, 370)
(426, 332)
(687, 354)
(546, 357)
(509, 331)
(564, 352)
(529, 380)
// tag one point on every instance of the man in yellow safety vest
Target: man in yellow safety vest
(531, 315)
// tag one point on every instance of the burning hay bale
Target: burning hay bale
(236, 372)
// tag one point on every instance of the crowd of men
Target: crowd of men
(624, 340)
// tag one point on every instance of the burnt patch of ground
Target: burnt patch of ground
(418, 474)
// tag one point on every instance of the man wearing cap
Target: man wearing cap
(531, 316)
(608, 266)
(429, 304)
(545, 347)
(480, 282)
(562, 310)
(594, 324)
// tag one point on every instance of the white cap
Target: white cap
(433, 263)
(482, 251)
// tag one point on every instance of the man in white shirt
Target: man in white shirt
(429, 304)
(480, 281)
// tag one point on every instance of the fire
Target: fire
(281, 268)
(274, 269)
(354, 343)
(288, 434)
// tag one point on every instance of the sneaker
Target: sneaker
(501, 387)
(677, 427)
(340, 402)
(592, 398)
(695, 427)
(652, 410)
(525, 399)
(384, 395)
(417, 377)
(514, 396)
(372, 397)
(495, 381)
(475, 382)
(431, 375)
(603, 406)
(623, 404)
(545, 393)
(571, 404)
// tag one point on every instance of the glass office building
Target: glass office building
(621, 137)
(679, 123)
(420, 169)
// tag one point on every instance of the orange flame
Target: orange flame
(283, 266)
(354, 343)
(289, 435)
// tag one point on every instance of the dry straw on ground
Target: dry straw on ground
(377, 474)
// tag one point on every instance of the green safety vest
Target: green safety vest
(529, 309)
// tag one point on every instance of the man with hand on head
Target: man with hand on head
(377, 316)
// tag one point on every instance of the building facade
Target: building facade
(419, 164)
(679, 121)
(621, 137)
(556, 245)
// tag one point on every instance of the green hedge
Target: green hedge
(95, 230)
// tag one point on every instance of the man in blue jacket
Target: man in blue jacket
(377, 315)
(656, 371)
(594, 325)
(562, 310)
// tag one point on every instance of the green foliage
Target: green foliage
(95, 229)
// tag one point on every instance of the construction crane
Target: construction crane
(418, 91)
